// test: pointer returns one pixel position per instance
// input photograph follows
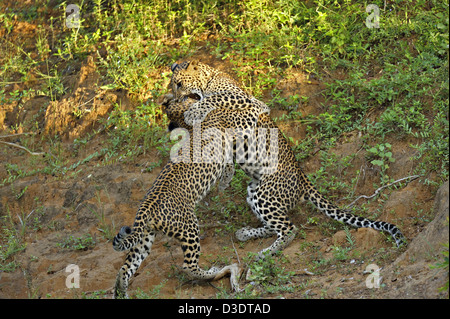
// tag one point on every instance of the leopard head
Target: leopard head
(190, 79)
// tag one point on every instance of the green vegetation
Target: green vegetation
(78, 243)
(396, 75)
(11, 243)
(269, 274)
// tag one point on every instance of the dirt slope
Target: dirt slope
(81, 205)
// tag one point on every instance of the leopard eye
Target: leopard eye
(178, 85)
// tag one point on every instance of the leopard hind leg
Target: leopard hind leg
(273, 217)
(248, 233)
(191, 251)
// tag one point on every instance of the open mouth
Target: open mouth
(194, 96)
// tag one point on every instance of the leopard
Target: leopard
(271, 194)
(195, 166)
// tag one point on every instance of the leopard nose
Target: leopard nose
(174, 66)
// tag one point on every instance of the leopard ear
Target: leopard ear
(174, 66)
(193, 65)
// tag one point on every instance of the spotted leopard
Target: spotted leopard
(271, 195)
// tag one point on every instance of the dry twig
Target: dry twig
(22, 148)
(413, 177)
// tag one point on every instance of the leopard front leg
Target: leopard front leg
(134, 258)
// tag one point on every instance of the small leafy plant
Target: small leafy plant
(270, 274)
(381, 155)
(78, 243)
